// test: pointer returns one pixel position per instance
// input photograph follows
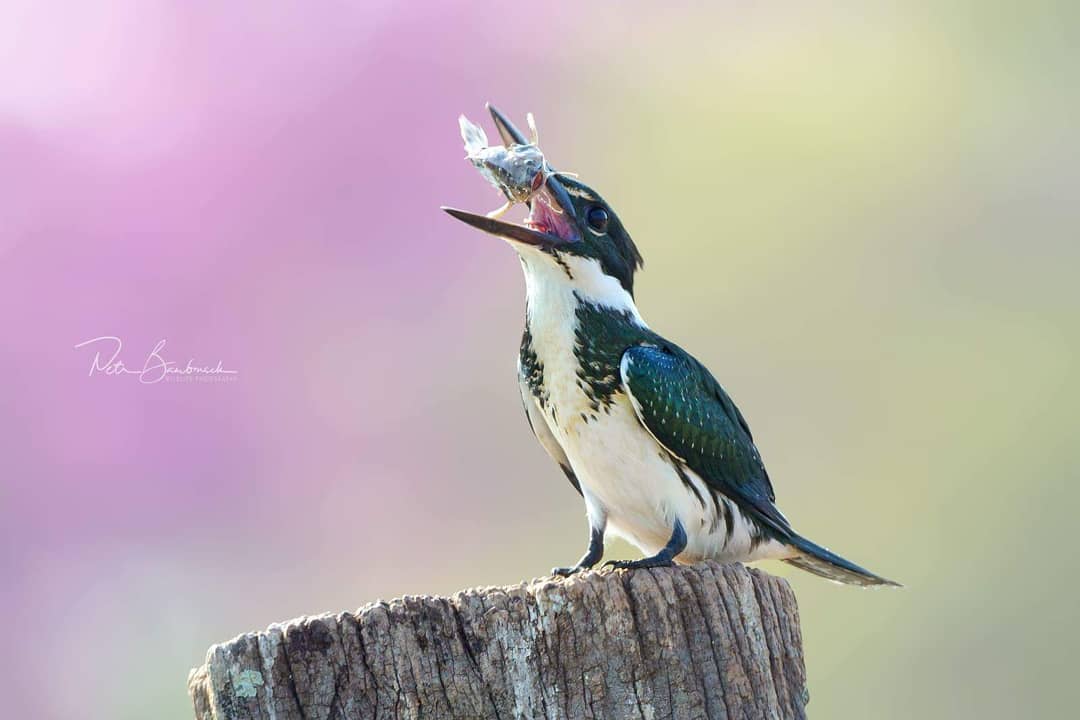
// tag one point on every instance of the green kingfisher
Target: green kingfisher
(643, 431)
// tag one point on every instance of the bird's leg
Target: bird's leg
(664, 558)
(589, 559)
(597, 525)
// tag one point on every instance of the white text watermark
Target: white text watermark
(155, 368)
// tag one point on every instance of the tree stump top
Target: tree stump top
(698, 641)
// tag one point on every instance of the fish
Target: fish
(518, 170)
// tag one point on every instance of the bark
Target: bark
(699, 641)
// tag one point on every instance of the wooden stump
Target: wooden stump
(700, 641)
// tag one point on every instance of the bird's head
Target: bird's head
(570, 228)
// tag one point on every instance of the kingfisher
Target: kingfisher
(643, 431)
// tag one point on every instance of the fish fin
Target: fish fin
(473, 135)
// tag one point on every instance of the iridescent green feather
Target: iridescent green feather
(689, 413)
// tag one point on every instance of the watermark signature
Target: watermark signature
(155, 367)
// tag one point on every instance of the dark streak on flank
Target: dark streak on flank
(572, 477)
(531, 368)
(681, 472)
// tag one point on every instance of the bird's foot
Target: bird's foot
(591, 556)
(664, 558)
(568, 571)
(649, 562)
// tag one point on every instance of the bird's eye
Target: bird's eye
(597, 218)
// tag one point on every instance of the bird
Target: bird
(643, 431)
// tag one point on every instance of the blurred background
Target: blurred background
(863, 219)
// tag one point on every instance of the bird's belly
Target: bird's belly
(643, 490)
(627, 472)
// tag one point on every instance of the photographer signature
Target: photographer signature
(154, 369)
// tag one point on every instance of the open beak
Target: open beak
(510, 231)
(556, 191)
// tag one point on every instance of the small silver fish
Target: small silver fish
(518, 170)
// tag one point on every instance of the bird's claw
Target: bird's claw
(650, 562)
(568, 571)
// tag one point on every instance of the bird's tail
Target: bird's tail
(821, 562)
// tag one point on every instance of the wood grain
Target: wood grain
(699, 641)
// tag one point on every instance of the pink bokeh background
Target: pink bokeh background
(259, 188)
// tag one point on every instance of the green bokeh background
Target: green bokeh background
(864, 221)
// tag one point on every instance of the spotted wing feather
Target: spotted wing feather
(688, 412)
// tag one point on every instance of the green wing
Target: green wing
(687, 411)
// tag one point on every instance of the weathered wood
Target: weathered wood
(700, 641)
